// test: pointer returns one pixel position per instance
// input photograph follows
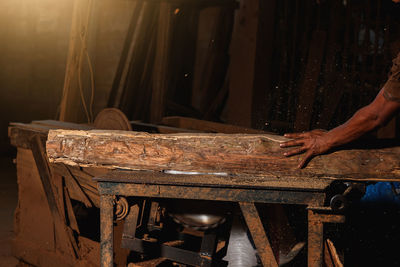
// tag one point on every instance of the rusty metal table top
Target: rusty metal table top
(215, 181)
(213, 187)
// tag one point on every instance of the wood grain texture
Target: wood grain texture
(252, 154)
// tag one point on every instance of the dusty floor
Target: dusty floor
(8, 202)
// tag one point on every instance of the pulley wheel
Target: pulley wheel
(338, 203)
(121, 208)
(112, 119)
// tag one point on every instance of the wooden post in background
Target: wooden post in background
(243, 57)
(160, 70)
(71, 103)
(251, 57)
(309, 85)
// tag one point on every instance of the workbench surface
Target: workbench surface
(217, 181)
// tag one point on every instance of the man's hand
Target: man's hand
(311, 143)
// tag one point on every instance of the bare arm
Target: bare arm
(364, 120)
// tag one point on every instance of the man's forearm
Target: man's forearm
(362, 122)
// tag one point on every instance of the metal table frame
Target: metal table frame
(132, 184)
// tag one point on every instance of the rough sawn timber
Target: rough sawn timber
(253, 154)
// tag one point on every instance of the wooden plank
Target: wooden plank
(244, 154)
(206, 126)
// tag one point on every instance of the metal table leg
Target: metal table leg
(106, 230)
